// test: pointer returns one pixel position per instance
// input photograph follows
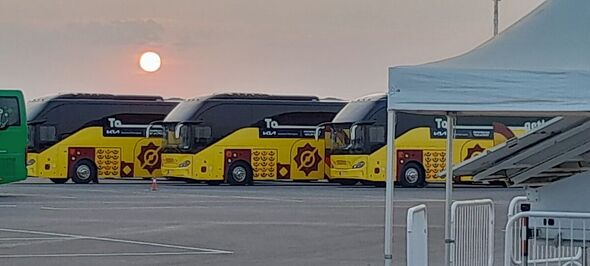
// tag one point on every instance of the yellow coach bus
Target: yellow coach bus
(85, 137)
(356, 142)
(239, 138)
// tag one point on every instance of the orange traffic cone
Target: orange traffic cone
(154, 186)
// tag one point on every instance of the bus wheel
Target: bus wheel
(239, 173)
(412, 175)
(84, 172)
(59, 180)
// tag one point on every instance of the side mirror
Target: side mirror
(317, 132)
(150, 126)
(353, 132)
(147, 130)
(177, 130)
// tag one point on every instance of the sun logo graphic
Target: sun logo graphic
(307, 159)
(149, 157)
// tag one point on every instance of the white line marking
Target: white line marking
(122, 208)
(41, 196)
(35, 238)
(107, 239)
(312, 224)
(265, 198)
(109, 254)
(7, 206)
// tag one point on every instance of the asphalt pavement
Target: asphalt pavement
(125, 223)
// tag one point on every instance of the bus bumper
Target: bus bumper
(348, 167)
(32, 162)
(177, 165)
(347, 174)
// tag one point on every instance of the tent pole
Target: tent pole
(449, 187)
(389, 188)
(496, 17)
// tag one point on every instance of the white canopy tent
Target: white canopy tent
(540, 66)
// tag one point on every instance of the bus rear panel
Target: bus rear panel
(13, 136)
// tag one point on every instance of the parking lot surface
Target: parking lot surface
(125, 223)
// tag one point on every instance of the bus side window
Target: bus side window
(47, 133)
(31, 134)
(377, 134)
(202, 134)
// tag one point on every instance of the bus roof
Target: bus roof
(99, 96)
(257, 96)
(11, 92)
(371, 98)
(362, 109)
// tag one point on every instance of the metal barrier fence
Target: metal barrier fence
(417, 236)
(546, 238)
(472, 233)
(515, 207)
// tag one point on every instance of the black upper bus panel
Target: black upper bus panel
(196, 109)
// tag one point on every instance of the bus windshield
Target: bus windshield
(185, 137)
(34, 108)
(9, 112)
(355, 138)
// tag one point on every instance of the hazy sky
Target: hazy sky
(338, 48)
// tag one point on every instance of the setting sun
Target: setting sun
(150, 61)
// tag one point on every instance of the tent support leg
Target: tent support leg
(389, 188)
(449, 188)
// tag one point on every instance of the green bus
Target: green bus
(13, 136)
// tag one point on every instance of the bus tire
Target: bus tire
(380, 184)
(84, 172)
(412, 175)
(373, 183)
(347, 182)
(239, 173)
(59, 180)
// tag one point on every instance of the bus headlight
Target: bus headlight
(30, 162)
(184, 164)
(358, 165)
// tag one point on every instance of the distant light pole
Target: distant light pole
(496, 17)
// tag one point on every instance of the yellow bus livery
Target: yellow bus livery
(239, 138)
(85, 137)
(356, 142)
